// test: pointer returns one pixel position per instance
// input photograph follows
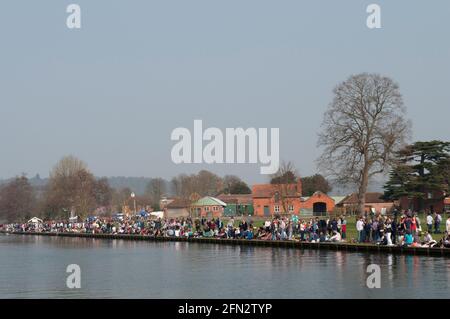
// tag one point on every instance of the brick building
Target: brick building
(317, 204)
(177, 208)
(374, 201)
(237, 204)
(436, 201)
(271, 199)
(209, 207)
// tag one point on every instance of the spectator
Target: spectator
(430, 222)
(437, 223)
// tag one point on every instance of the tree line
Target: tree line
(72, 190)
(364, 133)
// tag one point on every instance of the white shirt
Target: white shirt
(336, 237)
(429, 220)
(447, 225)
(359, 225)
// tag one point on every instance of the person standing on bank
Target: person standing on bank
(360, 229)
(447, 225)
(437, 223)
(430, 222)
(343, 228)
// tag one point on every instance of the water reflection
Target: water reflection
(34, 267)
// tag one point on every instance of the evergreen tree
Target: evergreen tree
(420, 168)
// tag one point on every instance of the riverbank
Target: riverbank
(351, 247)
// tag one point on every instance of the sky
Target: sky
(112, 92)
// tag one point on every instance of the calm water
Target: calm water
(35, 267)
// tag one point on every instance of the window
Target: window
(276, 208)
(206, 208)
(291, 208)
(215, 208)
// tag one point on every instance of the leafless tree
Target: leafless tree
(207, 183)
(362, 128)
(73, 188)
(285, 181)
(204, 183)
(156, 188)
(68, 166)
(17, 200)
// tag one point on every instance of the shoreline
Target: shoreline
(351, 247)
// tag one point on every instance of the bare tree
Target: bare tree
(204, 183)
(103, 192)
(155, 190)
(121, 198)
(361, 130)
(17, 200)
(286, 184)
(68, 166)
(72, 188)
(208, 184)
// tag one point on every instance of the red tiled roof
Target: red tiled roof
(236, 198)
(179, 203)
(269, 190)
(370, 198)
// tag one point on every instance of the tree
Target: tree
(17, 200)
(285, 181)
(68, 166)
(156, 188)
(361, 131)
(234, 185)
(103, 192)
(285, 175)
(207, 183)
(311, 184)
(420, 168)
(73, 188)
(204, 183)
(121, 198)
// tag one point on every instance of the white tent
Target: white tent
(35, 220)
(157, 214)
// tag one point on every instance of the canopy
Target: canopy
(157, 214)
(35, 220)
(118, 216)
(143, 213)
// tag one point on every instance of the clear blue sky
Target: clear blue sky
(112, 92)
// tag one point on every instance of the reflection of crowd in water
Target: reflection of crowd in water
(383, 230)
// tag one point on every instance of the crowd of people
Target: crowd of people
(398, 229)
(405, 229)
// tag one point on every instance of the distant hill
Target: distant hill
(35, 181)
(136, 184)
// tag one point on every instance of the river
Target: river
(35, 267)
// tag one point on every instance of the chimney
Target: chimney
(299, 186)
